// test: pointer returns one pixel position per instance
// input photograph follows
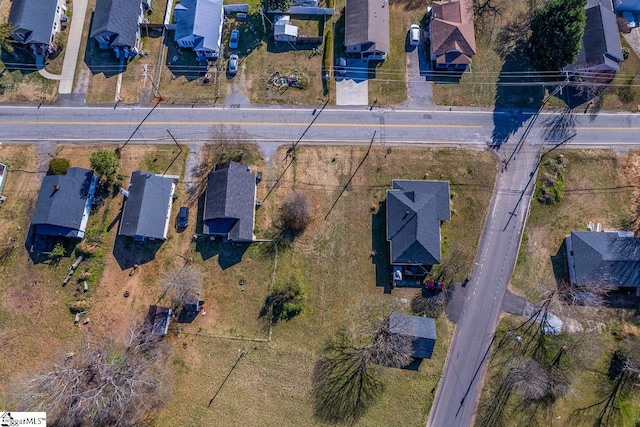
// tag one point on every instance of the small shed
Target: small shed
(190, 311)
(283, 31)
(159, 319)
(421, 329)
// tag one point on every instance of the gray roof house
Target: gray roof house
(283, 31)
(601, 50)
(64, 204)
(604, 258)
(230, 199)
(35, 23)
(367, 29)
(421, 329)
(147, 209)
(415, 210)
(116, 26)
(199, 27)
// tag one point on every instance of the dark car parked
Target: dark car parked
(183, 217)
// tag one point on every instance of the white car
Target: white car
(414, 35)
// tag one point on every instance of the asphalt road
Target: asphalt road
(286, 125)
(461, 383)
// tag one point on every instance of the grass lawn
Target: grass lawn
(598, 188)
(625, 96)
(271, 384)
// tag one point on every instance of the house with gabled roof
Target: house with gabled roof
(610, 258)
(600, 50)
(452, 34)
(230, 200)
(63, 207)
(415, 211)
(147, 209)
(367, 29)
(35, 23)
(421, 331)
(199, 27)
(116, 26)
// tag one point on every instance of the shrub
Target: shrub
(285, 301)
(327, 52)
(296, 211)
(58, 166)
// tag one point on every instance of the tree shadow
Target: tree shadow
(129, 253)
(344, 386)
(380, 247)
(514, 91)
(559, 127)
(228, 253)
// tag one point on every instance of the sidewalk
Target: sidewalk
(73, 46)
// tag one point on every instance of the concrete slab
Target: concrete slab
(73, 46)
(352, 92)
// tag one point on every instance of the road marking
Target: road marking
(260, 124)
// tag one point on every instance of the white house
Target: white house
(199, 27)
(283, 31)
(36, 22)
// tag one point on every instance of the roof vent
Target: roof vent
(56, 187)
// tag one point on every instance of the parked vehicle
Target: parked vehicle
(183, 217)
(234, 39)
(414, 35)
(232, 65)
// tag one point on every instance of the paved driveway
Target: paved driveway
(354, 89)
(419, 90)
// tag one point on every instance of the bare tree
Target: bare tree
(296, 211)
(528, 378)
(389, 349)
(430, 303)
(104, 383)
(592, 294)
(183, 285)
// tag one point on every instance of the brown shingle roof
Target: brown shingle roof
(368, 20)
(452, 28)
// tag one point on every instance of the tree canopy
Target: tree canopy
(282, 5)
(5, 37)
(556, 33)
(104, 162)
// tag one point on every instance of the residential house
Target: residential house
(367, 29)
(116, 26)
(421, 330)
(159, 319)
(229, 206)
(35, 23)
(600, 49)
(199, 27)
(147, 209)
(283, 31)
(415, 210)
(609, 258)
(452, 34)
(63, 206)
